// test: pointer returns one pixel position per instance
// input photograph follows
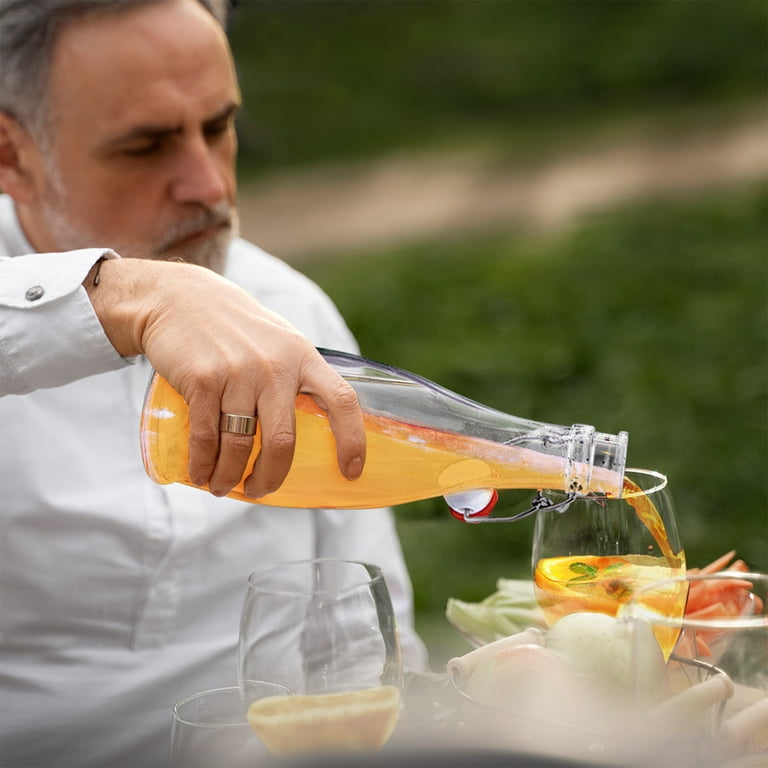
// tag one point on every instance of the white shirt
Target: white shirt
(119, 596)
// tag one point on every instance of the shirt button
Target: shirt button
(34, 293)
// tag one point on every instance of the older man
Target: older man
(120, 596)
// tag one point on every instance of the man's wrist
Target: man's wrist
(112, 286)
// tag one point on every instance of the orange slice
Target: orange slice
(333, 722)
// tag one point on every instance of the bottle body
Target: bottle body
(423, 441)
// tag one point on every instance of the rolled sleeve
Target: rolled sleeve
(49, 332)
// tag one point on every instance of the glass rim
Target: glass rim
(736, 622)
(663, 482)
(374, 573)
(227, 689)
(284, 690)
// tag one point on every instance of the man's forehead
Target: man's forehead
(157, 58)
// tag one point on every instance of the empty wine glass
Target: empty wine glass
(324, 628)
(209, 728)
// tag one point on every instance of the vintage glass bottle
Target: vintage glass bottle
(423, 441)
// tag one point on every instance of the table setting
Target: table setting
(614, 653)
(617, 651)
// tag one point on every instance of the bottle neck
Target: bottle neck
(590, 453)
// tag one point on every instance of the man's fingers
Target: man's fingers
(234, 452)
(203, 434)
(218, 458)
(237, 427)
(278, 427)
(339, 399)
(220, 443)
(278, 443)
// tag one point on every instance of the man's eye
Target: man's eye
(140, 150)
(217, 128)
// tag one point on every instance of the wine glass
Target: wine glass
(594, 552)
(209, 728)
(325, 628)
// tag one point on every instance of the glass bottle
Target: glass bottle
(423, 441)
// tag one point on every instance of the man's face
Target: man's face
(142, 150)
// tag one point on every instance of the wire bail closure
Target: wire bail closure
(538, 502)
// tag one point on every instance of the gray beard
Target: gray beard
(211, 253)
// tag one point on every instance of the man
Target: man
(120, 596)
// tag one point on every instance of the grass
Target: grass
(339, 80)
(651, 319)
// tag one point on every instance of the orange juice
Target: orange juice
(603, 583)
(598, 583)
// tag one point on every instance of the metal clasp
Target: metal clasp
(537, 503)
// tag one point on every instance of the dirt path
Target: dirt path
(299, 215)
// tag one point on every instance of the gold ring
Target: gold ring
(237, 425)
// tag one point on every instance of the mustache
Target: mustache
(221, 216)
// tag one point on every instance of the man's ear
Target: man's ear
(17, 149)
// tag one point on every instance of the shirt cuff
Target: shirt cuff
(49, 332)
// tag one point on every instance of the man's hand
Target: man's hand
(225, 353)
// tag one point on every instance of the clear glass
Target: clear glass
(326, 629)
(209, 728)
(596, 551)
(423, 441)
(711, 709)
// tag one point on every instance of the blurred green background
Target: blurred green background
(650, 316)
(344, 79)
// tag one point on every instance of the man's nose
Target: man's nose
(200, 177)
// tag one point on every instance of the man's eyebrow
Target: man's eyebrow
(160, 131)
(224, 114)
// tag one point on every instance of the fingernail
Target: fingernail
(254, 493)
(354, 468)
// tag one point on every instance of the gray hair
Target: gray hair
(28, 33)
